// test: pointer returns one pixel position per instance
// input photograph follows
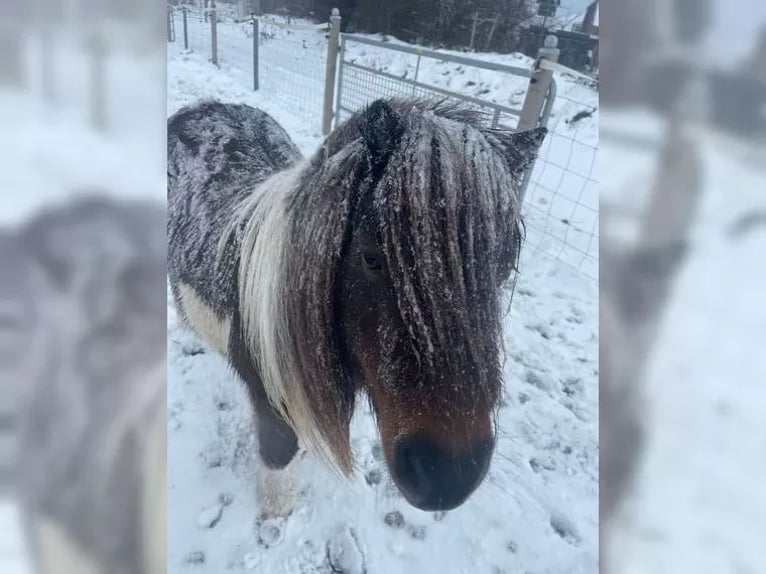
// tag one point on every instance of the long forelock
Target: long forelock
(446, 205)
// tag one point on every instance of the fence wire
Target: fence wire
(292, 65)
(235, 47)
(371, 70)
(291, 59)
(198, 31)
(561, 206)
(360, 86)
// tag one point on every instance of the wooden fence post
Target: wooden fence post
(534, 102)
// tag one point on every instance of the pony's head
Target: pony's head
(403, 231)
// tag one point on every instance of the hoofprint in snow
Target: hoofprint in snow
(536, 512)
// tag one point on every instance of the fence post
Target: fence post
(339, 91)
(214, 34)
(417, 70)
(186, 28)
(332, 63)
(98, 49)
(473, 29)
(537, 91)
(255, 52)
(170, 24)
(496, 118)
(534, 102)
(47, 59)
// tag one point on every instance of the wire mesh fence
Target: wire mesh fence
(292, 61)
(561, 207)
(235, 46)
(289, 60)
(366, 73)
(197, 31)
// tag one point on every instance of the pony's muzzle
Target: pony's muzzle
(430, 478)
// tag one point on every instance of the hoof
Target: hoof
(277, 493)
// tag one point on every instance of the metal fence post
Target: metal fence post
(339, 91)
(98, 49)
(214, 34)
(47, 60)
(534, 102)
(255, 52)
(184, 10)
(332, 63)
(171, 35)
(417, 71)
(495, 118)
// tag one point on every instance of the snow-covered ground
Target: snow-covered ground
(538, 510)
(698, 503)
(13, 552)
(55, 152)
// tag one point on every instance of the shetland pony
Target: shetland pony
(377, 266)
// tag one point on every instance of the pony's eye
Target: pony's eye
(372, 261)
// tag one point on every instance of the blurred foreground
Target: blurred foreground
(82, 304)
(683, 210)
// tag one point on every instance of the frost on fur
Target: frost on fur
(264, 236)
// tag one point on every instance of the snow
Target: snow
(55, 153)
(536, 512)
(13, 553)
(698, 504)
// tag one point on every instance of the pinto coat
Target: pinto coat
(377, 265)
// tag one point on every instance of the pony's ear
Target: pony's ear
(380, 127)
(521, 149)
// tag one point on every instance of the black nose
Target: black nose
(432, 479)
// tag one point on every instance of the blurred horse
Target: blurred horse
(90, 303)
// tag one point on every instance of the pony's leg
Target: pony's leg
(276, 488)
(277, 444)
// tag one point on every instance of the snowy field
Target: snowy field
(537, 512)
(13, 552)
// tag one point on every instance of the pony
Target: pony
(375, 267)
